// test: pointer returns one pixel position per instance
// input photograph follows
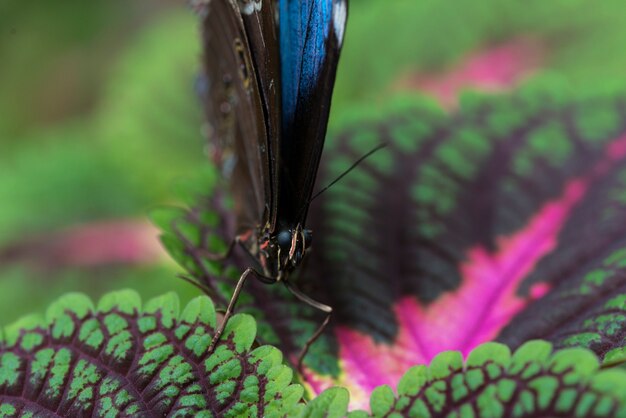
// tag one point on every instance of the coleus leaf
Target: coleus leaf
(502, 221)
(121, 359)
(496, 68)
(332, 403)
(492, 382)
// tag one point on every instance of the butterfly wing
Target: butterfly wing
(311, 36)
(260, 22)
(236, 106)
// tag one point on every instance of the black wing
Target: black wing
(260, 21)
(311, 36)
(236, 107)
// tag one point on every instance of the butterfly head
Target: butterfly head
(285, 250)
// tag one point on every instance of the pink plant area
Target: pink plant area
(126, 241)
(476, 311)
(498, 68)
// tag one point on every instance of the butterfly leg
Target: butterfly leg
(317, 305)
(233, 300)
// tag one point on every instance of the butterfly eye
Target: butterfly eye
(308, 238)
(284, 239)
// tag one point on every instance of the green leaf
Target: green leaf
(381, 401)
(121, 360)
(164, 217)
(332, 403)
(533, 381)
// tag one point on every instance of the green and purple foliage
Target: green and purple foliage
(476, 265)
(122, 359)
(502, 221)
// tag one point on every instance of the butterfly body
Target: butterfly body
(271, 67)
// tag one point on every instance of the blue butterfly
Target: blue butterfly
(270, 68)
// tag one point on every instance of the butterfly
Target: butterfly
(270, 69)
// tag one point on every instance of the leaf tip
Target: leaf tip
(127, 301)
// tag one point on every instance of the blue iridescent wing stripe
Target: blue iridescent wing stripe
(305, 26)
(311, 36)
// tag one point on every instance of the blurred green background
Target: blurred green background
(99, 118)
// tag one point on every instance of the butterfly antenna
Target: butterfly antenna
(352, 167)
